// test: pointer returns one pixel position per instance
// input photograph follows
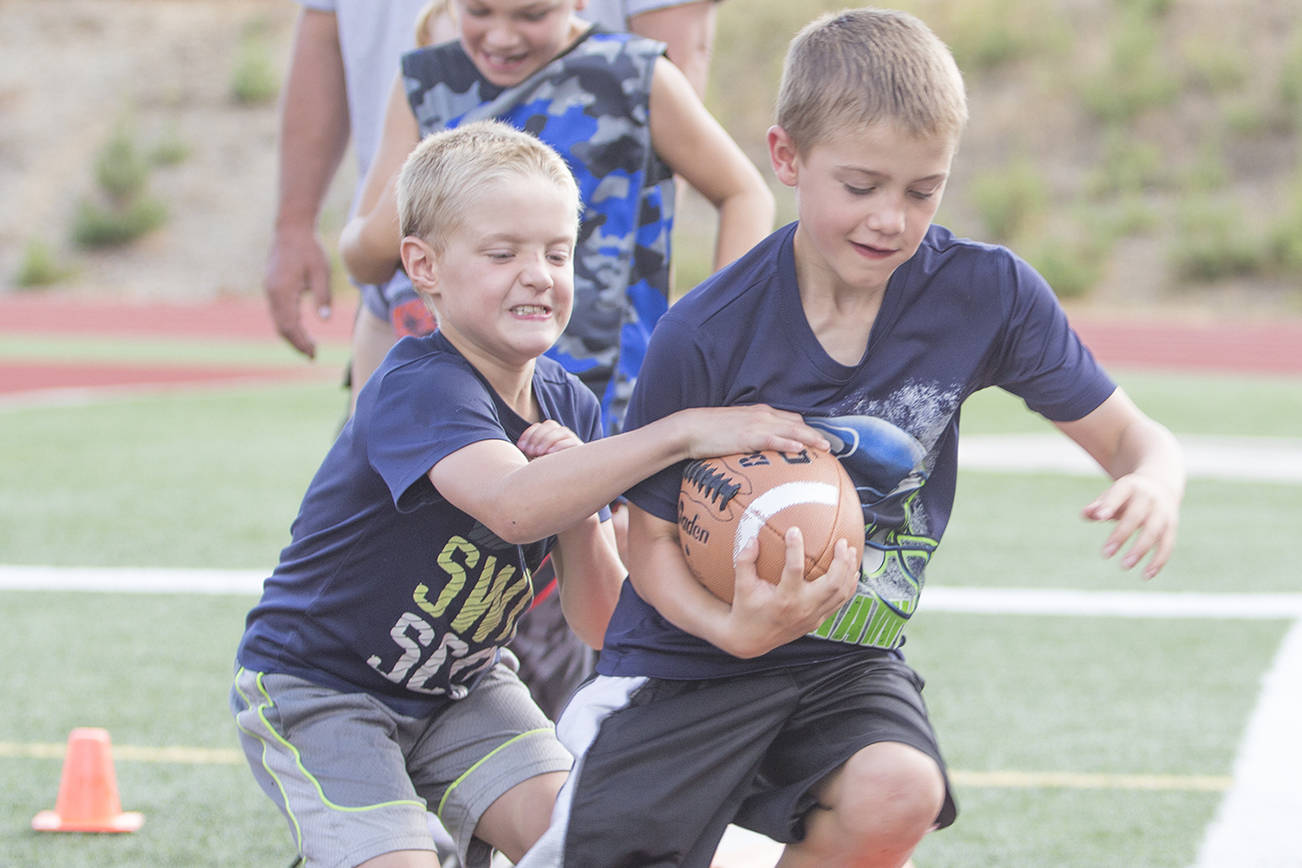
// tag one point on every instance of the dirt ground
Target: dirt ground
(71, 71)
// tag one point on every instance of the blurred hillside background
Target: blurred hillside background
(1145, 155)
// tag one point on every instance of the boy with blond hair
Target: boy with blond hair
(371, 681)
(875, 325)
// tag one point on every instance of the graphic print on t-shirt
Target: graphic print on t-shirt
(478, 600)
(888, 469)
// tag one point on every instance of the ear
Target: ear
(783, 156)
(420, 262)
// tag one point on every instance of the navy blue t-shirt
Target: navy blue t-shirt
(386, 587)
(957, 317)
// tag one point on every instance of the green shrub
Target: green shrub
(40, 266)
(1248, 118)
(1214, 66)
(1213, 243)
(1284, 246)
(1284, 238)
(169, 150)
(1137, 76)
(1072, 268)
(1290, 83)
(120, 169)
(1129, 166)
(992, 33)
(1208, 171)
(1146, 8)
(1073, 255)
(1290, 76)
(1126, 217)
(1010, 199)
(98, 226)
(255, 79)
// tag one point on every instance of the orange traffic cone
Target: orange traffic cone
(88, 790)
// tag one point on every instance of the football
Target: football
(725, 502)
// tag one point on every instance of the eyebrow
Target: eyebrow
(509, 238)
(939, 176)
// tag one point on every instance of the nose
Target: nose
(888, 217)
(537, 275)
(500, 35)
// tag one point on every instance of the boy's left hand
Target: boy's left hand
(1138, 504)
(546, 437)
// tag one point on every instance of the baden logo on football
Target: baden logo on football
(725, 503)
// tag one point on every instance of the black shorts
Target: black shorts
(664, 766)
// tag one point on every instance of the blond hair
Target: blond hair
(435, 22)
(855, 68)
(450, 168)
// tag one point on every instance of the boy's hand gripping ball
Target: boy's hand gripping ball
(723, 503)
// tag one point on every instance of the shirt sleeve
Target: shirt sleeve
(672, 378)
(1043, 361)
(420, 415)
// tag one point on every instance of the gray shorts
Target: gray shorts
(354, 778)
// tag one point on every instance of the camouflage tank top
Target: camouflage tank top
(592, 104)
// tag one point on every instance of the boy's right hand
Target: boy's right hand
(747, 428)
(765, 616)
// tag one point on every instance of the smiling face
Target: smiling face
(865, 198)
(503, 280)
(510, 40)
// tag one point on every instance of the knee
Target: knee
(889, 790)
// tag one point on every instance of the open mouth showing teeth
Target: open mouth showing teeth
(530, 310)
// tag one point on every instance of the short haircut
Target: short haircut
(450, 168)
(851, 69)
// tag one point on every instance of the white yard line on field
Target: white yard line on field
(1257, 824)
(1237, 459)
(986, 601)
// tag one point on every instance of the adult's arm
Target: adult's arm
(314, 133)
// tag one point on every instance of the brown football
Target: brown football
(725, 502)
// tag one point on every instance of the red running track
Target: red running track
(1264, 347)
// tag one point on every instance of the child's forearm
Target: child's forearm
(590, 574)
(1148, 448)
(553, 492)
(369, 243)
(662, 578)
(526, 501)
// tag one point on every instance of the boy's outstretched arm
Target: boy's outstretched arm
(368, 245)
(522, 501)
(762, 615)
(696, 146)
(1147, 466)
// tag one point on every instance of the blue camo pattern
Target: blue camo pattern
(592, 104)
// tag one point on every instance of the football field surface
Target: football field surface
(1089, 718)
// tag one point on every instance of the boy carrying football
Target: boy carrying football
(875, 325)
